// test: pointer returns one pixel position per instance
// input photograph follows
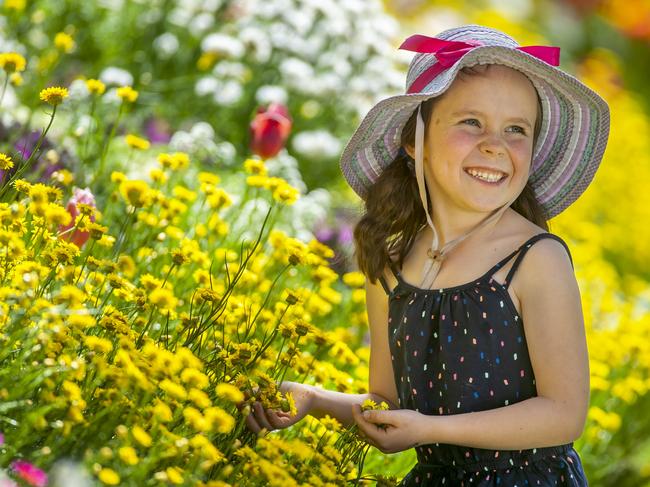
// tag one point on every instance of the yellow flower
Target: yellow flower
(5, 162)
(174, 474)
(162, 412)
(108, 476)
(195, 378)
(257, 181)
(229, 392)
(163, 299)
(12, 62)
(200, 398)
(118, 177)
(220, 420)
(209, 178)
(219, 199)
(64, 42)
(141, 436)
(17, 5)
(287, 194)
(53, 95)
(177, 160)
(95, 86)
(57, 214)
(158, 175)
(126, 93)
(128, 455)
(98, 344)
(180, 256)
(136, 142)
(255, 166)
(16, 79)
(173, 390)
(137, 193)
(354, 279)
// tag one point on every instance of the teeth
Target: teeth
(486, 176)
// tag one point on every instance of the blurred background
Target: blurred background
(289, 81)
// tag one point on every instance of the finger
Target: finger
(261, 417)
(278, 419)
(252, 424)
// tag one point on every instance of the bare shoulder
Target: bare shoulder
(546, 270)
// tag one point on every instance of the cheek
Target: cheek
(522, 151)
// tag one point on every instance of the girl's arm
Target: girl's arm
(381, 379)
(553, 321)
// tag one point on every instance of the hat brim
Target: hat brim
(569, 148)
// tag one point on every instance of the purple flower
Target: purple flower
(27, 143)
(157, 131)
(346, 235)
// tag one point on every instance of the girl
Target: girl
(487, 377)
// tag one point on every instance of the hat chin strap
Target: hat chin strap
(435, 254)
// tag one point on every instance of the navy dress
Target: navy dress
(463, 349)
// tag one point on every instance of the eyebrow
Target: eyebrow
(475, 113)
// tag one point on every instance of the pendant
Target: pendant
(434, 254)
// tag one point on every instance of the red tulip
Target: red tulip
(269, 130)
(30, 473)
(79, 196)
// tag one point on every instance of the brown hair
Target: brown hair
(393, 211)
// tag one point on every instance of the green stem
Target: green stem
(24, 166)
(4, 88)
(100, 170)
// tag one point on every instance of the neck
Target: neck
(452, 225)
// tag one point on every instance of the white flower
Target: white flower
(271, 93)
(166, 45)
(295, 70)
(202, 131)
(201, 23)
(257, 43)
(116, 76)
(226, 152)
(223, 44)
(211, 5)
(230, 93)
(182, 141)
(77, 90)
(206, 86)
(316, 144)
(231, 69)
(86, 123)
(180, 16)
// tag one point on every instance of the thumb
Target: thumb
(375, 416)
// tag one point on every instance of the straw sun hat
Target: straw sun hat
(569, 148)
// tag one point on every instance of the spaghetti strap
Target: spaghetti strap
(521, 251)
(384, 284)
(395, 272)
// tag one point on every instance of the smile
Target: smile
(486, 176)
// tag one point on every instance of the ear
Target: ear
(410, 150)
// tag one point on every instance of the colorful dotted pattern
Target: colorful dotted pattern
(463, 349)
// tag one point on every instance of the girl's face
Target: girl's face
(479, 144)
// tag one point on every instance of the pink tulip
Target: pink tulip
(78, 196)
(269, 130)
(29, 473)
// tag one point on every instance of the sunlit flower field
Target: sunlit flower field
(175, 239)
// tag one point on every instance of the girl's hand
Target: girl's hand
(259, 418)
(391, 431)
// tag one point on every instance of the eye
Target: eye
(517, 129)
(472, 121)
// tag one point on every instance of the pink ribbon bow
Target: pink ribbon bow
(448, 52)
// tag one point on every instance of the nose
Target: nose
(492, 146)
